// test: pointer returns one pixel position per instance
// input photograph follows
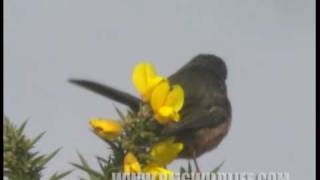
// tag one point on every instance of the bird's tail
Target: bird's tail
(109, 92)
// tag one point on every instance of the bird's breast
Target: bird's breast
(204, 140)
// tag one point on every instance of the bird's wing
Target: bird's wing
(110, 92)
(199, 118)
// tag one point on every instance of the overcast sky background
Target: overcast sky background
(268, 46)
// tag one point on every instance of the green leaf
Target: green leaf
(92, 173)
(35, 140)
(182, 170)
(85, 167)
(215, 170)
(49, 157)
(83, 161)
(189, 167)
(57, 176)
(21, 128)
(100, 159)
(122, 116)
(37, 160)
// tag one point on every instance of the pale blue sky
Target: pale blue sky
(269, 47)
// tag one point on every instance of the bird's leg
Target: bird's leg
(195, 161)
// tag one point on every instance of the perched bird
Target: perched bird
(206, 113)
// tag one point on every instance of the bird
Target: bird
(206, 114)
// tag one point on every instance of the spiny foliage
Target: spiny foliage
(140, 133)
(20, 161)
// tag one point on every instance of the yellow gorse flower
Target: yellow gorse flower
(156, 171)
(145, 79)
(165, 151)
(106, 128)
(131, 164)
(166, 102)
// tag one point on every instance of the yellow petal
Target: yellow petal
(106, 128)
(151, 86)
(159, 95)
(140, 76)
(131, 164)
(150, 72)
(166, 111)
(145, 78)
(165, 151)
(157, 171)
(175, 116)
(161, 120)
(175, 98)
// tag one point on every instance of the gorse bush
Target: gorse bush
(20, 161)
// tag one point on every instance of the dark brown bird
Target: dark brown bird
(206, 114)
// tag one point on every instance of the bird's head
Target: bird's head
(210, 62)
